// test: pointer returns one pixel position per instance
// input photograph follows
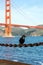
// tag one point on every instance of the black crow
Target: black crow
(22, 39)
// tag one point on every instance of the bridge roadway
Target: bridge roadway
(17, 25)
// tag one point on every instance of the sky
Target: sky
(25, 12)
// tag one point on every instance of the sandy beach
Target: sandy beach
(7, 62)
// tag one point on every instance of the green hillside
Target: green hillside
(20, 31)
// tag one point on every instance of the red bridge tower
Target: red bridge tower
(8, 18)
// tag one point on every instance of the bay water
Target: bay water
(32, 55)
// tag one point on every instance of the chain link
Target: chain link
(22, 45)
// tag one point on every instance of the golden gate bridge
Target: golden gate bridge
(8, 24)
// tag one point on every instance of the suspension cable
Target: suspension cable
(20, 11)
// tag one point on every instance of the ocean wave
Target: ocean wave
(41, 63)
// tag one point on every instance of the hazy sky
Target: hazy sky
(28, 12)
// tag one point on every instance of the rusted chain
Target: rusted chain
(22, 45)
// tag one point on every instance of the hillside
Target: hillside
(21, 31)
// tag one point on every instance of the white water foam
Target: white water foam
(15, 60)
(41, 63)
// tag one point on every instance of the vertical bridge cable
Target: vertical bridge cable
(20, 11)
